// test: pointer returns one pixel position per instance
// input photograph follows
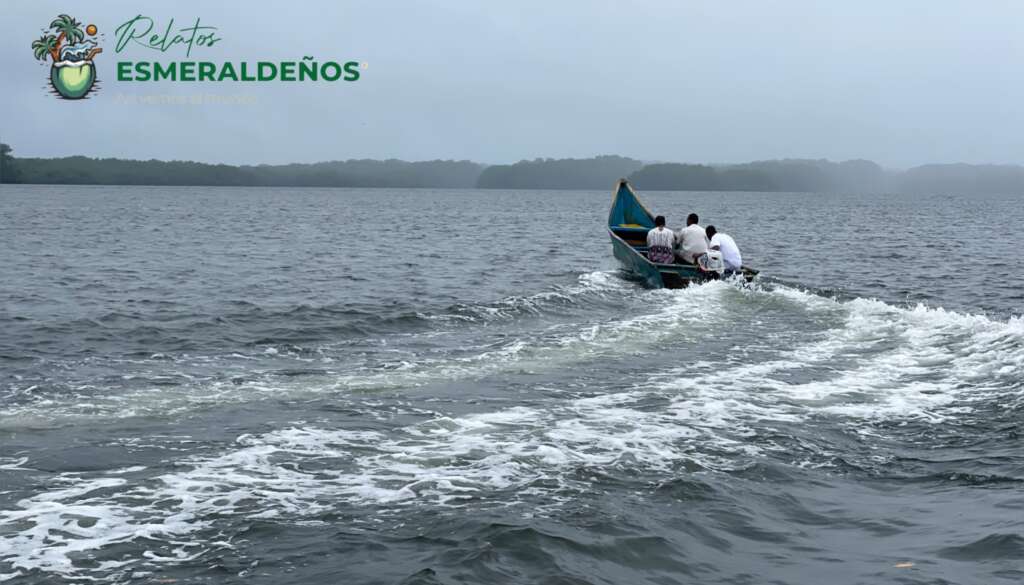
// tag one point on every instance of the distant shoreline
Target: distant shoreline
(597, 173)
(603, 191)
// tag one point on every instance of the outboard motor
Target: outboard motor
(712, 262)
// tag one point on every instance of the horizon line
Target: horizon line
(645, 162)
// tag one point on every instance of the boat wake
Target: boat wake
(600, 317)
(596, 379)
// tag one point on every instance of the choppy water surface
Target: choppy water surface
(414, 386)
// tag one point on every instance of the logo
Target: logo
(72, 72)
(143, 32)
(71, 48)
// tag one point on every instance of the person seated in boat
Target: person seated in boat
(661, 242)
(727, 246)
(693, 242)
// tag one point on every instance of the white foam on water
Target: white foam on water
(672, 315)
(600, 284)
(62, 523)
(13, 464)
(664, 314)
(873, 362)
(990, 350)
(924, 364)
(299, 472)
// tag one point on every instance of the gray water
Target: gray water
(208, 385)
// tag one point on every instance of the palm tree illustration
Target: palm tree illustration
(46, 44)
(69, 29)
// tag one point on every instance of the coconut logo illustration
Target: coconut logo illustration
(72, 73)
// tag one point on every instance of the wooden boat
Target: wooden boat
(628, 224)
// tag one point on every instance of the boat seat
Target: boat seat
(631, 228)
(634, 235)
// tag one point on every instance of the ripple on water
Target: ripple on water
(564, 426)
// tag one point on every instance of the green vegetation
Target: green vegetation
(963, 178)
(351, 173)
(8, 168)
(599, 173)
(673, 176)
(568, 173)
(774, 175)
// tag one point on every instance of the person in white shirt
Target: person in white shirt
(661, 242)
(693, 242)
(727, 246)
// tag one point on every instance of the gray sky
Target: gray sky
(901, 83)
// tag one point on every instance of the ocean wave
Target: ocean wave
(590, 288)
(77, 52)
(146, 327)
(1009, 546)
(877, 363)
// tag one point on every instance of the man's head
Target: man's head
(710, 231)
(659, 221)
(692, 219)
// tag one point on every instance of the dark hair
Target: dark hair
(692, 219)
(710, 231)
(659, 221)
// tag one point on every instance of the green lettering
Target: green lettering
(187, 71)
(352, 71)
(245, 73)
(170, 73)
(227, 70)
(206, 71)
(142, 71)
(266, 71)
(307, 70)
(288, 71)
(335, 71)
(124, 70)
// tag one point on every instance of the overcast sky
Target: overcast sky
(901, 83)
